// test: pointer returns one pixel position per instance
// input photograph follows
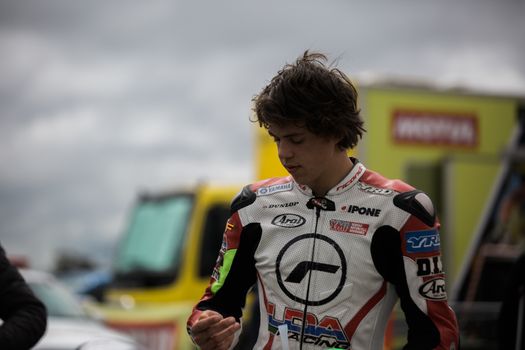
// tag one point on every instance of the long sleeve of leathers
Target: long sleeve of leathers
(234, 273)
(24, 316)
(410, 258)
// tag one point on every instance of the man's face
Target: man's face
(309, 158)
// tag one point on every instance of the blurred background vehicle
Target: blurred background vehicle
(164, 261)
(89, 282)
(71, 326)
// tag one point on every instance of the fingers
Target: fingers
(219, 336)
(206, 320)
(214, 332)
(220, 341)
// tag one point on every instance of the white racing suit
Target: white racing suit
(329, 270)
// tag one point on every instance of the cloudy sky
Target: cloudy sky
(101, 99)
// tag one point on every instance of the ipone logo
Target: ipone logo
(364, 210)
(288, 220)
(329, 268)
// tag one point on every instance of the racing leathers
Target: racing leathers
(330, 269)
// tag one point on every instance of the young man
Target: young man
(333, 246)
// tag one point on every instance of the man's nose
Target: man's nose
(284, 150)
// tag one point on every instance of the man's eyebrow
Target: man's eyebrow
(293, 134)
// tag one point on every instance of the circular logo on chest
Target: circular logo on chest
(288, 220)
(326, 272)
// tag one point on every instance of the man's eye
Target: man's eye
(296, 141)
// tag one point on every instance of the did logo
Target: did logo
(429, 266)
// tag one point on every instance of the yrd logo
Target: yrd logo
(422, 241)
(371, 189)
(326, 333)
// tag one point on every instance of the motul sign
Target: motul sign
(435, 128)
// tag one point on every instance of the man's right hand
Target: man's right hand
(214, 332)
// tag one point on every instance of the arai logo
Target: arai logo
(434, 289)
(288, 220)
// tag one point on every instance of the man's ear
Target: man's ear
(340, 146)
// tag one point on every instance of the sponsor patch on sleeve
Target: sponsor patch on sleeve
(430, 265)
(433, 289)
(422, 241)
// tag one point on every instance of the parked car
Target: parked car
(70, 326)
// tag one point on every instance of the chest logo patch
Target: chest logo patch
(326, 274)
(264, 191)
(348, 227)
(354, 209)
(281, 205)
(288, 220)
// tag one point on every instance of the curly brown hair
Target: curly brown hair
(312, 95)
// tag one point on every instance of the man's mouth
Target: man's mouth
(291, 168)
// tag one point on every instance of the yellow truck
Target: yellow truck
(164, 261)
(448, 142)
(489, 291)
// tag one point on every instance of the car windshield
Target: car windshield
(150, 251)
(59, 301)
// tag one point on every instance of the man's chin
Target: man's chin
(300, 180)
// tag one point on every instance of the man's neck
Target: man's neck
(333, 176)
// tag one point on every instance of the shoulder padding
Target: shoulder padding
(243, 199)
(418, 204)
